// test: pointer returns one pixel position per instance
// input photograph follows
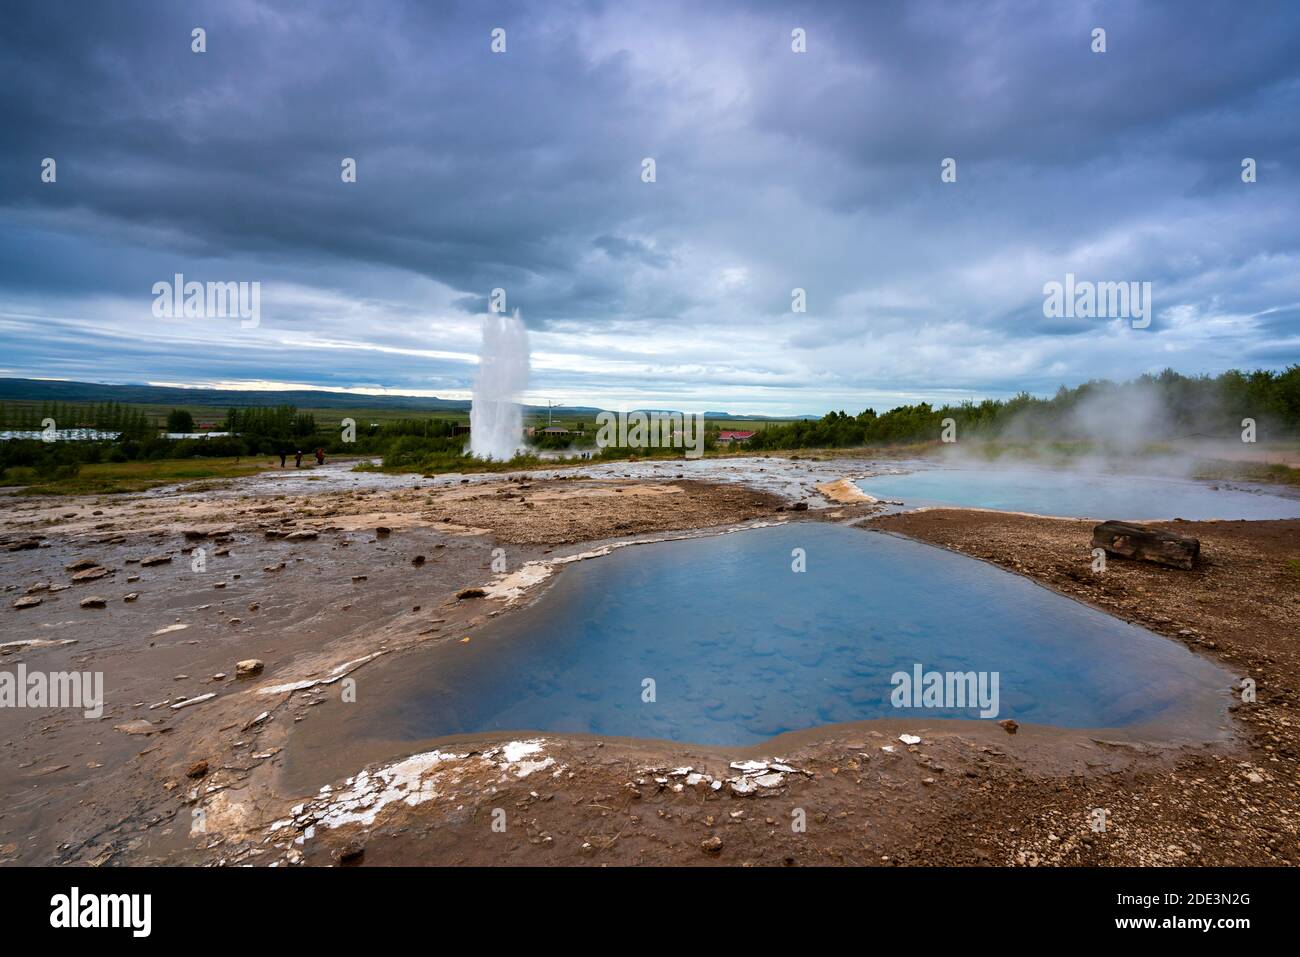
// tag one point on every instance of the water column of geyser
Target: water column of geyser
(496, 419)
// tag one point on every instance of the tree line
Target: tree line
(1172, 405)
(1175, 407)
(101, 416)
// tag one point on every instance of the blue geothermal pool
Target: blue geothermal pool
(1071, 494)
(740, 648)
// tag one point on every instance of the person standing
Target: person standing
(297, 462)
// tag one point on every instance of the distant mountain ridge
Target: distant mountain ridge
(41, 390)
(49, 390)
(761, 418)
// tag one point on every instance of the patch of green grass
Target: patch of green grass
(1293, 566)
(110, 478)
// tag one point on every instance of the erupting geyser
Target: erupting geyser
(496, 419)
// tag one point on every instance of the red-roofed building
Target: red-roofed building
(726, 438)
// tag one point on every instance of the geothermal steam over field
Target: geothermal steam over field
(496, 418)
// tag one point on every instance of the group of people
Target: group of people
(297, 459)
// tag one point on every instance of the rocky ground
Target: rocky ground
(323, 587)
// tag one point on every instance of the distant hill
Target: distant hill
(761, 418)
(74, 393)
(41, 390)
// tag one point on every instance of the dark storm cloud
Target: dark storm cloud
(775, 170)
(464, 172)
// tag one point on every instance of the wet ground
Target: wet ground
(793, 479)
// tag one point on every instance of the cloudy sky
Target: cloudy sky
(775, 170)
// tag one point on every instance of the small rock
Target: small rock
(139, 726)
(349, 855)
(1010, 725)
(248, 668)
(711, 845)
(94, 601)
(193, 701)
(197, 769)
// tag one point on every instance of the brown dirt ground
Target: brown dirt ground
(969, 793)
(514, 511)
(80, 790)
(566, 511)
